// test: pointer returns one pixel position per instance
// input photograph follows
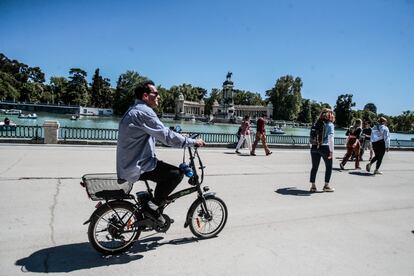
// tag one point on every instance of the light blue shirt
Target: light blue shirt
(328, 135)
(329, 130)
(381, 132)
(139, 128)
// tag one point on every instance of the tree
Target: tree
(286, 98)
(101, 92)
(404, 122)
(305, 114)
(124, 93)
(242, 97)
(20, 81)
(343, 111)
(77, 89)
(366, 115)
(166, 104)
(8, 84)
(371, 107)
(209, 102)
(31, 92)
(316, 109)
(58, 87)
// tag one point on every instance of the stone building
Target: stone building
(228, 110)
(225, 110)
(183, 107)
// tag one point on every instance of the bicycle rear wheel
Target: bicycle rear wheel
(112, 230)
(207, 223)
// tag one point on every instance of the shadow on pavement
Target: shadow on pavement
(361, 173)
(77, 256)
(294, 191)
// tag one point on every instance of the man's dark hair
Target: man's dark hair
(142, 88)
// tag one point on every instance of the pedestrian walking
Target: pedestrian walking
(353, 145)
(380, 138)
(366, 141)
(245, 134)
(322, 146)
(261, 136)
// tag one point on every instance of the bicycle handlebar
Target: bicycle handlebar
(194, 135)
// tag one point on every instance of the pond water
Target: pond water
(187, 126)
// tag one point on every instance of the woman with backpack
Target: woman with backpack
(322, 146)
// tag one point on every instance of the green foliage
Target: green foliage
(101, 93)
(403, 122)
(165, 105)
(124, 93)
(18, 81)
(365, 115)
(58, 87)
(316, 109)
(371, 107)
(168, 96)
(194, 94)
(241, 97)
(286, 98)
(8, 87)
(76, 92)
(31, 92)
(343, 110)
(305, 114)
(214, 96)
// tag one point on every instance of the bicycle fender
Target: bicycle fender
(99, 208)
(197, 201)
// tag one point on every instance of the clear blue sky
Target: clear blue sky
(359, 47)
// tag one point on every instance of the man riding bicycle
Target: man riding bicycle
(139, 128)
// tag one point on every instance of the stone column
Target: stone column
(51, 132)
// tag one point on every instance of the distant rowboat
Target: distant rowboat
(28, 116)
(277, 130)
(13, 112)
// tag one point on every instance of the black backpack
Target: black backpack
(316, 133)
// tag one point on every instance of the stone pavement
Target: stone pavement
(275, 227)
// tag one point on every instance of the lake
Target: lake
(187, 126)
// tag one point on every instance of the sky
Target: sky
(359, 47)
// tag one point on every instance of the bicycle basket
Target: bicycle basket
(105, 186)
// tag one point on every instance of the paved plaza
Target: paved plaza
(275, 226)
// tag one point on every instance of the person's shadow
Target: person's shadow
(360, 173)
(294, 191)
(77, 256)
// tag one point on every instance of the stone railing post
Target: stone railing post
(51, 132)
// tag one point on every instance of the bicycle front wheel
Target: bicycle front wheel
(207, 223)
(112, 229)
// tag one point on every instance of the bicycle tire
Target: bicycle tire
(205, 228)
(101, 218)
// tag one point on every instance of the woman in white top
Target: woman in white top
(245, 134)
(380, 139)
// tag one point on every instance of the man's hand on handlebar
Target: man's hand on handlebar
(199, 143)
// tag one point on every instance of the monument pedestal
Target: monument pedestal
(51, 132)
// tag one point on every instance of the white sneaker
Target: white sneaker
(328, 189)
(377, 172)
